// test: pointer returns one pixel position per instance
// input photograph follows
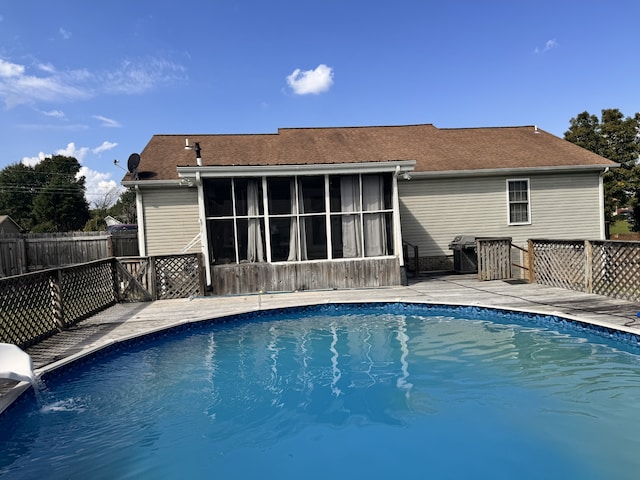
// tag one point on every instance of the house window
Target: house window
(518, 201)
(312, 217)
(235, 219)
(361, 215)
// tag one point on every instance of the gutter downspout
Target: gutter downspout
(142, 238)
(603, 230)
(397, 235)
(204, 239)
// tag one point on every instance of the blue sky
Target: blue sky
(97, 79)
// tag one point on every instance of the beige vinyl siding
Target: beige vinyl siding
(434, 211)
(171, 220)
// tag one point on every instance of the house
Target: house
(331, 207)
(8, 226)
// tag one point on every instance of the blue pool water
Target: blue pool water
(340, 392)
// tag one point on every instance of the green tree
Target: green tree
(18, 189)
(96, 223)
(61, 202)
(615, 137)
(125, 208)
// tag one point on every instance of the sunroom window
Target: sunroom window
(235, 220)
(300, 218)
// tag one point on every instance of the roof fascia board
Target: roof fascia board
(306, 169)
(512, 171)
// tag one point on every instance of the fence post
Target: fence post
(21, 243)
(153, 278)
(531, 260)
(109, 240)
(588, 266)
(481, 259)
(200, 262)
(55, 285)
(114, 276)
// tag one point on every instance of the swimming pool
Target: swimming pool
(347, 391)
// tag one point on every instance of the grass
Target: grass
(620, 226)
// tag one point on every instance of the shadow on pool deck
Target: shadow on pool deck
(124, 321)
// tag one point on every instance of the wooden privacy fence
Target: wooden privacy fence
(30, 252)
(609, 268)
(37, 305)
(494, 258)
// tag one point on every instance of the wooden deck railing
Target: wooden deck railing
(609, 268)
(36, 305)
(412, 262)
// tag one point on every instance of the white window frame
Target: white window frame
(510, 202)
(327, 214)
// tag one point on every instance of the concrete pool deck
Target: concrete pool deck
(126, 321)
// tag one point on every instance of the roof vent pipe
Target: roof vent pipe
(197, 148)
(198, 156)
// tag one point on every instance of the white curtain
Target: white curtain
(375, 231)
(255, 251)
(349, 202)
(297, 206)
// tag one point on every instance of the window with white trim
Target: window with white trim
(306, 217)
(518, 199)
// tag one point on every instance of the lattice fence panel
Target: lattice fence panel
(26, 308)
(178, 276)
(560, 263)
(134, 280)
(86, 289)
(616, 269)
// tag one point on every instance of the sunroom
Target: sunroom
(298, 227)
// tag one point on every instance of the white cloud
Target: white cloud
(19, 87)
(33, 161)
(47, 67)
(550, 44)
(8, 69)
(311, 81)
(105, 147)
(99, 185)
(54, 113)
(69, 151)
(65, 33)
(72, 151)
(141, 76)
(107, 122)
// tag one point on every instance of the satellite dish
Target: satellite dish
(132, 164)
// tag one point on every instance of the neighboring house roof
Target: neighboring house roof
(8, 225)
(109, 220)
(433, 149)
